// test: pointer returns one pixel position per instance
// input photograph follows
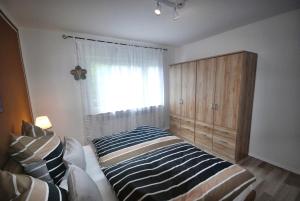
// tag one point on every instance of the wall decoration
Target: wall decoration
(79, 73)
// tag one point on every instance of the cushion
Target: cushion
(28, 151)
(31, 130)
(38, 170)
(64, 182)
(13, 167)
(74, 153)
(27, 188)
(81, 187)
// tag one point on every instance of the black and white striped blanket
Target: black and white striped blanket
(109, 144)
(163, 174)
(169, 170)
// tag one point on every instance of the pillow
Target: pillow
(13, 167)
(74, 153)
(64, 182)
(31, 130)
(81, 187)
(32, 152)
(39, 170)
(27, 188)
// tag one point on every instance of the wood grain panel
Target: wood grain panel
(175, 89)
(224, 147)
(188, 90)
(246, 105)
(203, 135)
(227, 90)
(205, 89)
(187, 129)
(224, 142)
(188, 77)
(13, 88)
(228, 134)
(175, 125)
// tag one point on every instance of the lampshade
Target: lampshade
(43, 122)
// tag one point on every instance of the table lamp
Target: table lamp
(43, 122)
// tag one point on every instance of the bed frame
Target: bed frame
(251, 196)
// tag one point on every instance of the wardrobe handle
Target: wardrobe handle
(212, 106)
(180, 101)
(216, 106)
(223, 142)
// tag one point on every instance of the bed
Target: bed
(148, 163)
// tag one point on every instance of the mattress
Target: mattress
(167, 169)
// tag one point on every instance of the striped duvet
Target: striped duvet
(125, 145)
(173, 171)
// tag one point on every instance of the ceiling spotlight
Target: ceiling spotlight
(174, 4)
(176, 15)
(157, 9)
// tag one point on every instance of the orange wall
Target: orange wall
(13, 88)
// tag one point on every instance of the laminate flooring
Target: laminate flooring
(273, 183)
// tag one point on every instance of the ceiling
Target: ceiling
(134, 19)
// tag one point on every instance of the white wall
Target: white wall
(48, 60)
(7, 13)
(275, 131)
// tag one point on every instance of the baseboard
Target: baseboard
(275, 163)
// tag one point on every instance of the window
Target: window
(119, 88)
(120, 78)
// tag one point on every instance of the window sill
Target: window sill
(144, 110)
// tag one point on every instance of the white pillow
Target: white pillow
(81, 187)
(74, 153)
(64, 182)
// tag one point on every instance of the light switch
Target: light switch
(1, 105)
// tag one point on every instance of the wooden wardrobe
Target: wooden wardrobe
(211, 103)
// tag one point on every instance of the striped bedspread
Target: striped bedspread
(174, 171)
(116, 148)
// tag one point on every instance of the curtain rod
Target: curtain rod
(102, 41)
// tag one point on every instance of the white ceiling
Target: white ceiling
(134, 19)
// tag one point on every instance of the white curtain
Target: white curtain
(124, 87)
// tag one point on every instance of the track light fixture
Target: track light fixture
(157, 10)
(176, 15)
(178, 4)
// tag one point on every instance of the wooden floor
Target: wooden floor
(273, 183)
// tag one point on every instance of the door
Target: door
(227, 100)
(205, 89)
(175, 97)
(188, 84)
(227, 94)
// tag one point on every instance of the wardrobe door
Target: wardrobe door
(175, 97)
(227, 100)
(188, 82)
(205, 88)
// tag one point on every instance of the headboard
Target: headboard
(14, 99)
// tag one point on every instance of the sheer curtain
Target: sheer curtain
(124, 87)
